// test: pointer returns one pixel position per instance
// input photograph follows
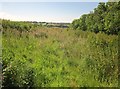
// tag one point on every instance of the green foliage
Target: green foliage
(75, 24)
(20, 26)
(36, 56)
(54, 57)
(105, 18)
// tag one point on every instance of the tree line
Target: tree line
(28, 25)
(19, 25)
(105, 18)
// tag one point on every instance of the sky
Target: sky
(45, 11)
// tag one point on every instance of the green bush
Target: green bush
(71, 58)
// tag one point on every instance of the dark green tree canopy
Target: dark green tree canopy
(104, 18)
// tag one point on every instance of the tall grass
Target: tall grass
(54, 57)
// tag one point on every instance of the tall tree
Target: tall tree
(105, 18)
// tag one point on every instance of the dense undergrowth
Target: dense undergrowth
(54, 57)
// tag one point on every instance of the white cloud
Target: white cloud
(4, 15)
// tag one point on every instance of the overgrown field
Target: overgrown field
(56, 57)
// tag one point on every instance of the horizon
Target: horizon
(56, 12)
(34, 21)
